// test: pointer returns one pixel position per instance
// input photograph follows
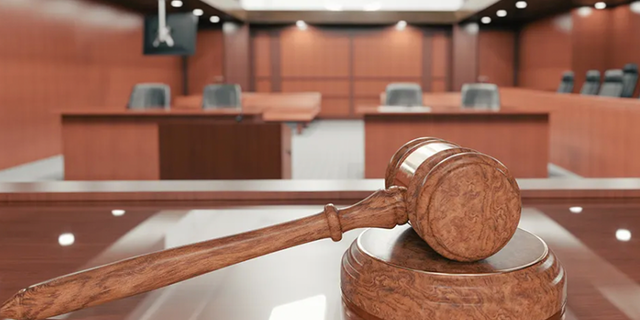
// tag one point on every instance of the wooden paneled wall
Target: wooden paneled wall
(601, 40)
(206, 65)
(66, 54)
(496, 57)
(350, 67)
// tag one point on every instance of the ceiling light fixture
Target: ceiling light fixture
(485, 20)
(176, 3)
(635, 7)
(118, 212)
(584, 11)
(401, 25)
(600, 5)
(198, 12)
(575, 209)
(623, 235)
(501, 13)
(521, 4)
(214, 19)
(301, 25)
(66, 239)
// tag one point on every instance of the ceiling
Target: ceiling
(536, 9)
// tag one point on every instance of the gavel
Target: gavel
(464, 204)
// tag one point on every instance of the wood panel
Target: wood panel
(335, 108)
(537, 68)
(206, 65)
(263, 85)
(328, 88)
(441, 55)
(520, 141)
(465, 55)
(108, 150)
(589, 42)
(439, 85)
(496, 61)
(50, 60)
(623, 45)
(314, 53)
(237, 60)
(590, 136)
(236, 151)
(261, 46)
(388, 53)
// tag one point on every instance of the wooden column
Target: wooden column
(237, 58)
(465, 55)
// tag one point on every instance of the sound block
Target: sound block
(395, 275)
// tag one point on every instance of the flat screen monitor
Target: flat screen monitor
(183, 29)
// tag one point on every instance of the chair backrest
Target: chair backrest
(612, 86)
(404, 94)
(216, 96)
(481, 96)
(566, 84)
(629, 79)
(150, 96)
(591, 85)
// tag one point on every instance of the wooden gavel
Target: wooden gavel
(464, 204)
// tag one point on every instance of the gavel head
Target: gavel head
(464, 204)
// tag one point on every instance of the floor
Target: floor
(327, 149)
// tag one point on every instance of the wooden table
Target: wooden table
(175, 144)
(301, 282)
(518, 138)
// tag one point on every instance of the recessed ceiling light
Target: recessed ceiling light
(575, 209)
(401, 25)
(214, 19)
(176, 3)
(623, 235)
(118, 212)
(66, 239)
(521, 4)
(301, 25)
(600, 5)
(635, 7)
(198, 12)
(584, 11)
(373, 6)
(485, 20)
(501, 13)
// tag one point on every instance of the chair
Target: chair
(629, 80)
(481, 96)
(217, 96)
(150, 96)
(403, 94)
(566, 84)
(612, 86)
(591, 85)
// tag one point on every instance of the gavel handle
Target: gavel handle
(383, 209)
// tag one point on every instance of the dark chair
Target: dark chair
(629, 80)
(612, 86)
(566, 84)
(216, 96)
(480, 96)
(150, 96)
(404, 94)
(591, 85)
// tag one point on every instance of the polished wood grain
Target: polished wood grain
(206, 65)
(589, 44)
(523, 281)
(538, 69)
(388, 53)
(50, 59)
(175, 144)
(582, 127)
(496, 61)
(501, 134)
(237, 60)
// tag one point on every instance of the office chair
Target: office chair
(591, 85)
(150, 96)
(612, 86)
(216, 96)
(566, 84)
(629, 80)
(404, 94)
(481, 96)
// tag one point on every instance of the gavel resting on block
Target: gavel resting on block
(465, 206)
